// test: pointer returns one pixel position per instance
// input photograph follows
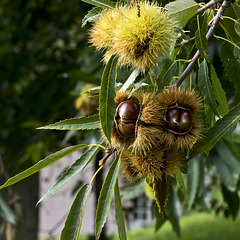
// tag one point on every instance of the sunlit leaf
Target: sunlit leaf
(105, 197)
(71, 230)
(130, 80)
(79, 123)
(119, 213)
(107, 95)
(182, 10)
(91, 16)
(42, 164)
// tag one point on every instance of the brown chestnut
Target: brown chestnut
(178, 120)
(185, 121)
(127, 130)
(126, 117)
(172, 117)
(128, 110)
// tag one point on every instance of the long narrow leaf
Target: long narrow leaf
(71, 230)
(100, 3)
(119, 213)
(105, 197)
(219, 92)
(205, 86)
(220, 128)
(72, 171)
(179, 177)
(42, 164)
(6, 212)
(167, 74)
(193, 181)
(107, 96)
(79, 123)
(160, 188)
(201, 42)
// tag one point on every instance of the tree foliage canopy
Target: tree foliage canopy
(204, 57)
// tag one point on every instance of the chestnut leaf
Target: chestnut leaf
(71, 230)
(78, 123)
(105, 197)
(42, 164)
(107, 106)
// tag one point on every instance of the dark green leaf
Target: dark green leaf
(228, 158)
(91, 16)
(193, 181)
(105, 197)
(205, 86)
(228, 177)
(237, 27)
(6, 212)
(133, 191)
(219, 129)
(160, 188)
(72, 227)
(119, 213)
(79, 123)
(182, 10)
(232, 69)
(173, 211)
(201, 42)
(160, 220)
(100, 3)
(42, 164)
(232, 200)
(72, 171)
(179, 177)
(107, 96)
(167, 73)
(219, 92)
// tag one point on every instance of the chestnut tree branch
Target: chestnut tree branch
(208, 5)
(209, 34)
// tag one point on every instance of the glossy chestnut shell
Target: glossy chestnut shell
(126, 117)
(178, 120)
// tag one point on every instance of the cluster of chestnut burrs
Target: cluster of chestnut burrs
(151, 132)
